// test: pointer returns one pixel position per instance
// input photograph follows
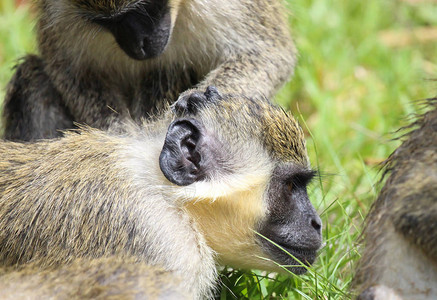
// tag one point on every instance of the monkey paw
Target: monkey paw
(190, 101)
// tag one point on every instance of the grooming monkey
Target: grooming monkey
(99, 278)
(185, 192)
(399, 260)
(101, 60)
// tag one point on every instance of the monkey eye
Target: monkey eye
(289, 187)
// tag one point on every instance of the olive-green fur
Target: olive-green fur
(103, 278)
(281, 134)
(74, 162)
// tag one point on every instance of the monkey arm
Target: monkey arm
(41, 105)
(261, 58)
(251, 73)
(33, 108)
(417, 221)
(38, 105)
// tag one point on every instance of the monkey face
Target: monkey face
(250, 196)
(142, 29)
(291, 230)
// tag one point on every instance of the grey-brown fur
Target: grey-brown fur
(96, 193)
(400, 251)
(82, 75)
(86, 279)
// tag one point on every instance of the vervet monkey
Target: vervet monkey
(399, 260)
(215, 180)
(103, 60)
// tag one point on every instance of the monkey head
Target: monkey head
(142, 28)
(241, 168)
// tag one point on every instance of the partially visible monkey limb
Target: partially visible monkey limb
(185, 192)
(131, 57)
(379, 292)
(400, 251)
(100, 278)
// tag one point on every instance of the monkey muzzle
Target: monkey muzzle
(141, 33)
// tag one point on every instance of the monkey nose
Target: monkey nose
(316, 223)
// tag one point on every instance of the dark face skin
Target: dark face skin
(142, 32)
(292, 222)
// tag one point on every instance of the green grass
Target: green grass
(350, 92)
(16, 39)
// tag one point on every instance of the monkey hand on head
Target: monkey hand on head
(101, 61)
(214, 180)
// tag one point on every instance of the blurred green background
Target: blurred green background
(363, 67)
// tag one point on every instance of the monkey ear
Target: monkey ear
(181, 158)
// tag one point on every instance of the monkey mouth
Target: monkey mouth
(305, 255)
(295, 259)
